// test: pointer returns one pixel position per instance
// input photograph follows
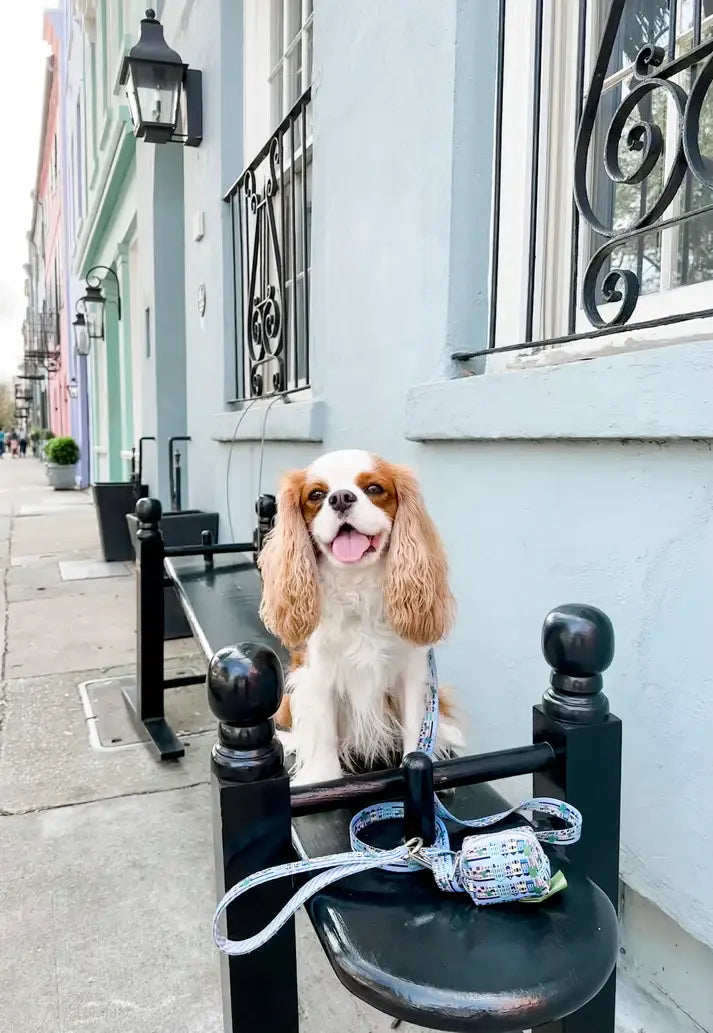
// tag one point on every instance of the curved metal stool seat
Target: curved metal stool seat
(437, 960)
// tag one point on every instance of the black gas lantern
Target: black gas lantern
(92, 302)
(164, 95)
(89, 321)
(82, 344)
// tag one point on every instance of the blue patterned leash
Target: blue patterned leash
(498, 867)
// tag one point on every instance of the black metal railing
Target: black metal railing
(636, 175)
(41, 341)
(270, 208)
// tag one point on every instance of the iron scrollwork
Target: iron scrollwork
(645, 138)
(270, 210)
(42, 345)
(265, 336)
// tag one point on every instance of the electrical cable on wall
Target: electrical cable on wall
(282, 396)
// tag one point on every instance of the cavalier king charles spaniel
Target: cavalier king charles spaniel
(355, 584)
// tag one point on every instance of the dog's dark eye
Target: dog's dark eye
(374, 489)
(317, 495)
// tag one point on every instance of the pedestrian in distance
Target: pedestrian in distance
(23, 444)
(2, 442)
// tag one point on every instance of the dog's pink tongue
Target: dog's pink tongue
(350, 546)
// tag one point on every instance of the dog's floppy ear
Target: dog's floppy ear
(287, 562)
(419, 603)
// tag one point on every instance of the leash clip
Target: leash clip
(414, 847)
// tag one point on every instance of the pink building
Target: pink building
(51, 315)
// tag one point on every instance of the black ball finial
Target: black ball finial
(245, 684)
(578, 643)
(578, 639)
(266, 507)
(149, 511)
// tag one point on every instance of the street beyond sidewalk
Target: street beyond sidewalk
(106, 856)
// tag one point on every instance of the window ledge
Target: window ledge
(292, 421)
(659, 394)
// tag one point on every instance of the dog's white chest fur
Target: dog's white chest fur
(354, 676)
(354, 640)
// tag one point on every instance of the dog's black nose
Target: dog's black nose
(341, 501)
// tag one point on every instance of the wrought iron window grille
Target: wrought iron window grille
(270, 210)
(634, 126)
(42, 344)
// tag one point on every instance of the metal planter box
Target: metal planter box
(182, 528)
(113, 500)
(61, 477)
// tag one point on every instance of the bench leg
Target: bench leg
(589, 777)
(145, 702)
(252, 830)
(574, 719)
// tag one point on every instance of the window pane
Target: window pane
(276, 33)
(308, 57)
(643, 21)
(276, 107)
(621, 205)
(685, 21)
(695, 242)
(294, 77)
(294, 19)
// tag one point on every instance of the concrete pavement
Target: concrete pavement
(106, 858)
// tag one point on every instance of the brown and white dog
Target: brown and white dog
(355, 584)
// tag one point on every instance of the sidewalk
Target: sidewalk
(106, 856)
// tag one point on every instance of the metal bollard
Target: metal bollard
(419, 811)
(266, 509)
(252, 831)
(146, 701)
(578, 643)
(206, 542)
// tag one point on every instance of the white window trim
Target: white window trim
(555, 209)
(281, 66)
(660, 394)
(300, 419)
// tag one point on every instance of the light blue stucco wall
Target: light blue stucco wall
(184, 385)
(539, 503)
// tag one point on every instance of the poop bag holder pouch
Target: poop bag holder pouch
(500, 867)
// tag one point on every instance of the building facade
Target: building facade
(51, 210)
(380, 221)
(46, 340)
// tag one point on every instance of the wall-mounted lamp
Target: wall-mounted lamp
(73, 388)
(89, 321)
(82, 344)
(165, 96)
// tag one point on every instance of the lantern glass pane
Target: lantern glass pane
(82, 343)
(133, 101)
(156, 88)
(94, 314)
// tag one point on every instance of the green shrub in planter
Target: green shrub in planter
(62, 451)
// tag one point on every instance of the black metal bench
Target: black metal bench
(396, 941)
(200, 576)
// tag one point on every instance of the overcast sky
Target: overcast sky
(22, 64)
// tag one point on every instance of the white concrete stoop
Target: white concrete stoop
(640, 1012)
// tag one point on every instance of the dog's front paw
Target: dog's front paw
(316, 773)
